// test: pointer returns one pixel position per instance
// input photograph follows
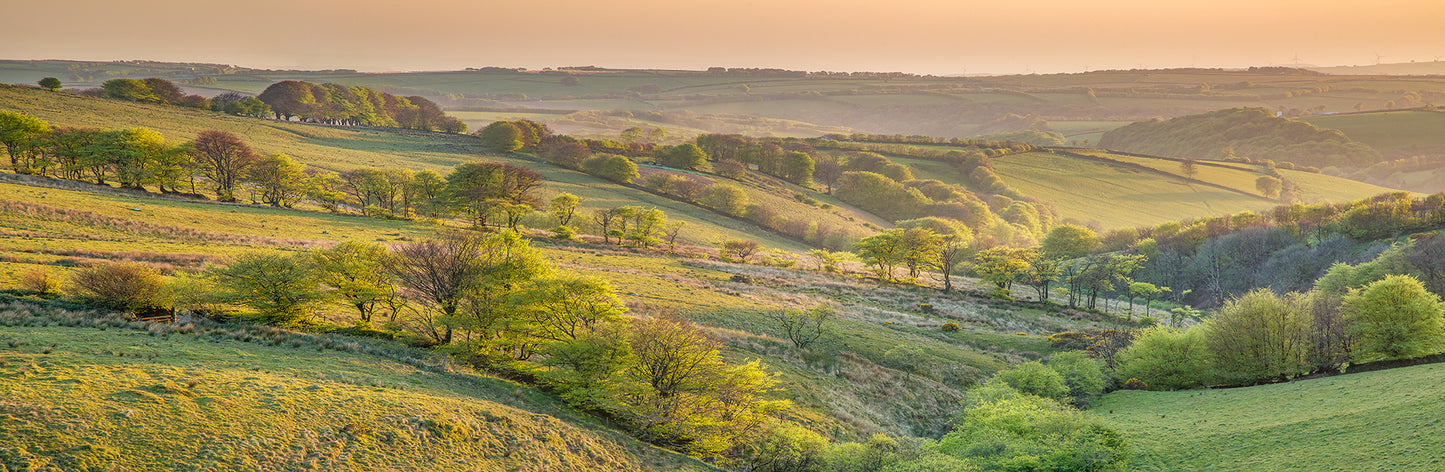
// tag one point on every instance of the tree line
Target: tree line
(355, 105)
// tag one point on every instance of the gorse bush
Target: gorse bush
(127, 287)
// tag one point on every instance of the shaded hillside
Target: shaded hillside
(1252, 133)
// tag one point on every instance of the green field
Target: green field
(1395, 133)
(127, 399)
(1384, 420)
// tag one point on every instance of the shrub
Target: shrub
(1034, 378)
(1260, 335)
(123, 286)
(949, 326)
(1083, 375)
(281, 288)
(1394, 318)
(1000, 428)
(39, 281)
(1166, 359)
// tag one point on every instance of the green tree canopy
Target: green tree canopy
(1394, 318)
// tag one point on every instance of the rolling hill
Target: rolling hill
(117, 396)
(341, 148)
(1382, 420)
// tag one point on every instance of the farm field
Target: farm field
(79, 398)
(1383, 420)
(1394, 133)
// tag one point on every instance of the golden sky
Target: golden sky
(923, 36)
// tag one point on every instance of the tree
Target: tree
(129, 89)
(1260, 336)
(1069, 241)
(612, 167)
(127, 286)
(685, 156)
(739, 250)
(131, 153)
(1394, 318)
(689, 395)
(1144, 290)
(728, 199)
(1268, 186)
(798, 168)
(17, 132)
(952, 250)
(564, 152)
(479, 187)
(1002, 266)
(563, 207)
(165, 91)
(884, 250)
(605, 219)
(804, 328)
(281, 288)
(357, 275)
(280, 180)
(502, 137)
(50, 83)
(223, 158)
(919, 248)
(565, 309)
(1190, 168)
(1042, 273)
(827, 170)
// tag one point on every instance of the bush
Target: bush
(1082, 374)
(39, 281)
(1394, 318)
(123, 286)
(1003, 429)
(1260, 336)
(950, 326)
(1034, 378)
(1165, 358)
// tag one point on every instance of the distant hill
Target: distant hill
(1252, 133)
(1435, 67)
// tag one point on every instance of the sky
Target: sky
(940, 37)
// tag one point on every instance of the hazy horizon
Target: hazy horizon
(936, 37)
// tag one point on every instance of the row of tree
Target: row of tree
(355, 105)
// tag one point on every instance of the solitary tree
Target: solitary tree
(1268, 186)
(1189, 168)
(50, 83)
(801, 327)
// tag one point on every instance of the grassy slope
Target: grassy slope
(1120, 196)
(118, 399)
(1385, 420)
(1389, 131)
(338, 148)
(847, 387)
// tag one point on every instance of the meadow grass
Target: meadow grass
(122, 399)
(1383, 420)
(1389, 131)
